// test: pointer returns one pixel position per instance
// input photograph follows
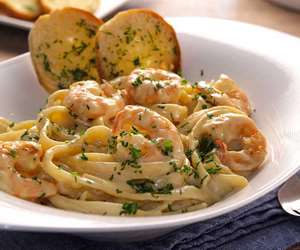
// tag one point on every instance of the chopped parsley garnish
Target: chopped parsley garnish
(206, 145)
(35, 178)
(76, 50)
(134, 130)
(83, 157)
(118, 191)
(189, 153)
(141, 185)
(158, 86)
(61, 85)
(196, 97)
(174, 165)
(78, 74)
(75, 175)
(183, 81)
(124, 144)
(12, 153)
(11, 124)
(107, 33)
(165, 189)
(213, 170)
(46, 62)
(129, 208)
(136, 61)
(42, 195)
(209, 115)
(147, 186)
(204, 106)
(112, 144)
(90, 29)
(202, 179)
(170, 208)
(137, 82)
(74, 115)
(167, 147)
(81, 133)
(129, 34)
(134, 152)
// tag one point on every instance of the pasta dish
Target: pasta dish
(146, 144)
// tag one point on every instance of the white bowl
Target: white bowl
(264, 62)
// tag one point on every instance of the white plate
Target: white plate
(106, 7)
(264, 62)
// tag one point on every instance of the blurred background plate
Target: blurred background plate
(292, 4)
(106, 7)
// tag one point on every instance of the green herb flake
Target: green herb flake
(135, 153)
(124, 144)
(129, 208)
(75, 175)
(112, 145)
(165, 189)
(141, 185)
(137, 82)
(167, 147)
(136, 61)
(209, 115)
(118, 191)
(78, 74)
(206, 145)
(213, 170)
(83, 157)
(183, 81)
(12, 153)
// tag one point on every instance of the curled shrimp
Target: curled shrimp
(223, 92)
(232, 94)
(238, 143)
(19, 170)
(146, 136)
(150, 86)
(86, 101)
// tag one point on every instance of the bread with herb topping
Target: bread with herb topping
(88, 5)
(23, 9)
(62, 47)
(136, 38)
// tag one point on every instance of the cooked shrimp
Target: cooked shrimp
(150, 86)
(237, 97)
(239, 144)
(146, 134)
(223, 92)
(19, 168)
(87, 101)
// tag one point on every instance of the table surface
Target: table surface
(262, 12)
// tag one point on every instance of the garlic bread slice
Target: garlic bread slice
(23, 9)
(88, 5)
(136, 38)
(62, 46)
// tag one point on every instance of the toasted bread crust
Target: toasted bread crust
(62, 46)
(90, 6)
(31, 13)
(164, 54)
